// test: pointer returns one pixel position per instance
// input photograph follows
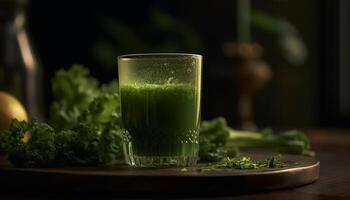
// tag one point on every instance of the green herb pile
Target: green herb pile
(84, 129)
(245, 163)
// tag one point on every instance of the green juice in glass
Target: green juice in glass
(160, 107)
(162, 120)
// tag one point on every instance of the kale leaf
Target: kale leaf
(213, 137)
(84, 125)
(38, 152)
(84, 145)
(73, 90)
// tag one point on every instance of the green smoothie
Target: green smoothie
(161, 119)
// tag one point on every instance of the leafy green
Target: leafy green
(10, 138)
(110, 143)
(84, 127)
(100, 112)
(243, 163)
(78, 147)
(292, 141)
(218, 141)
(39, 151)
(101, 109)
(104, 114)
(213, 138)
(84, 145)
(73, 89)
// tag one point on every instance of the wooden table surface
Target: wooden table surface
(333, 150)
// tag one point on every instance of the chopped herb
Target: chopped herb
(245, 163)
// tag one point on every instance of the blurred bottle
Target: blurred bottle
(20, 72)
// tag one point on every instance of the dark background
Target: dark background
(313, 94)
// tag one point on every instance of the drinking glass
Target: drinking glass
(160, 107)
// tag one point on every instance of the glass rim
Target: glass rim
(157, 56)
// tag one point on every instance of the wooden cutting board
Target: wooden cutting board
(122, 180)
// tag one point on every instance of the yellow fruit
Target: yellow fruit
(11, 108)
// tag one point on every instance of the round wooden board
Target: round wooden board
(124, 181)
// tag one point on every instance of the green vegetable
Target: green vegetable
(99, 107)
(85, 145)
(101, 110)
(38, 152)
(292, 142)
(213, 139)
(103, 114)
(73, 89)
(218, 141)
(84, 127)
(246, 163)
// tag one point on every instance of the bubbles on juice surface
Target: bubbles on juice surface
(190, 137)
